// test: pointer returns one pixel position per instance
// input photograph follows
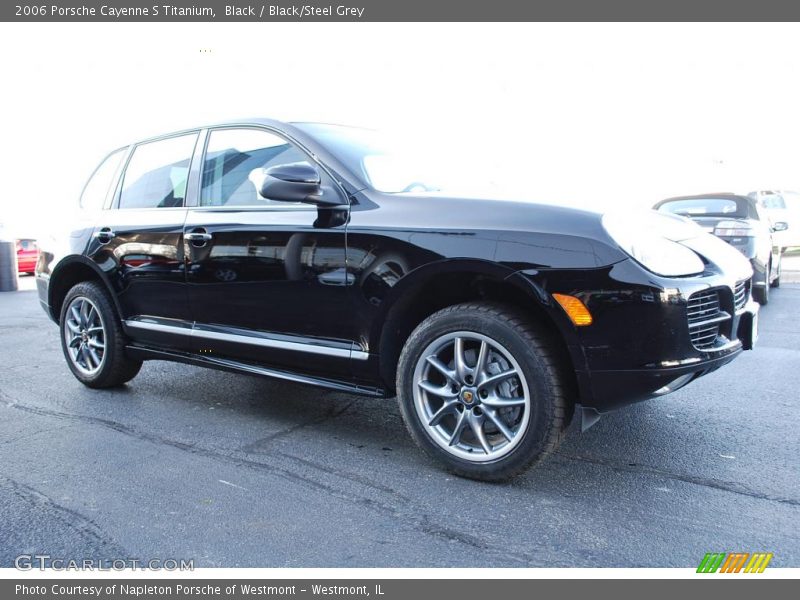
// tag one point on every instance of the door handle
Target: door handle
(197, 237)
(104, 235)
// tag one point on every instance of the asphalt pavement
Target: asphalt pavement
(790, 262)
(238, 471)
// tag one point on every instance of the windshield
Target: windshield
(704, 207)
(773, 201)
(385, 164)
(791, 200)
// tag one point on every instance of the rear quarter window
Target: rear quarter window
(96, 190)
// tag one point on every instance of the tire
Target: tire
(436, 414)
(92, 338)
(776, 283)
(761, 295)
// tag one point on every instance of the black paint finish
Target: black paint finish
(328, 295)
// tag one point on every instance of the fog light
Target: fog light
(575, 309)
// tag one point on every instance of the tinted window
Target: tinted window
(760, 213)
(96, 190)
(792, 200)
(157, 173)
(234, 165)
(698, 207)
(773, 201)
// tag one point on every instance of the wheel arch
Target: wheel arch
(66, 275)
(445, 283)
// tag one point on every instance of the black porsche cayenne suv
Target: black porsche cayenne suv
(306, 252)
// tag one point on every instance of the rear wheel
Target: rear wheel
(481, 391)
(92, 338)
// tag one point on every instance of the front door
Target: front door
(266, 280)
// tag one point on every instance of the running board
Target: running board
(225, 364)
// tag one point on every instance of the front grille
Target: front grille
(740, 295)
(705, 319)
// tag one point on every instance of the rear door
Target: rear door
(138, 241)
(266, 279)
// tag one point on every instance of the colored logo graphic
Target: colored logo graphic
(734, 562)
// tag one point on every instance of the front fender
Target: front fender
(413, 281)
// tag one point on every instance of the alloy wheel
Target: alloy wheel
(85, 335)
(471, 396)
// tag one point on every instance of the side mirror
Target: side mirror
(295, 182)
(780, 226)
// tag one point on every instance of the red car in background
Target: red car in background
(27, 255)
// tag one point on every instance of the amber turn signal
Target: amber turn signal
(575, 309)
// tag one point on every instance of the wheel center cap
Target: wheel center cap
(468, 396)
(84, 336)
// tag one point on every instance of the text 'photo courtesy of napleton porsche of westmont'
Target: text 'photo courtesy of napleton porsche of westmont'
(281, 298)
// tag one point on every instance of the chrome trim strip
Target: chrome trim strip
(157, 327)
(250, 340)
(271, 343)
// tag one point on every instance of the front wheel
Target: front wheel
(482, 390)
(92, 338)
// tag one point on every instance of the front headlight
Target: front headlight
(647, 246)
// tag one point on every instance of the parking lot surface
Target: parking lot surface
(231, 470)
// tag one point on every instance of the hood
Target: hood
(567, 237)
(500, 214)
(650, 222)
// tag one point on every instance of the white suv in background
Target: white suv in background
(782, 206)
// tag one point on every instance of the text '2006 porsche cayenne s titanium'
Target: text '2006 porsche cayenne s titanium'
(310, 253)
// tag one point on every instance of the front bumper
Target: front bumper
(26, 265)
(640, 344)
(611, 388)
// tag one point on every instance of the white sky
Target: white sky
(593, 114)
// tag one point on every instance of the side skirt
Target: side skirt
(233, 366)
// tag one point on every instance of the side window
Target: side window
(96, 189)
(157, 173)
(773, 201)
(234, 166)
(761, 214)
